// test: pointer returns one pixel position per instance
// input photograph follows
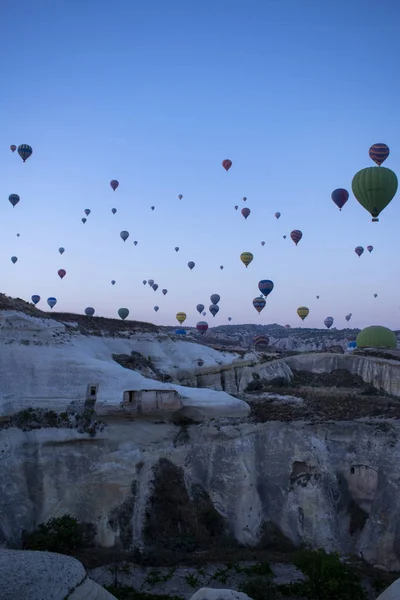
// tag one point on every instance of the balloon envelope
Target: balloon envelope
(277, 215)
(124, 235)
(374, 188)
(340, 197)
(359, 250)
(265, 286)
(303, 312)
(296, 235)
(328, 322)
(114, 184)
(200, 308)
(14, 259)
(202, 326)
(51, 301)
(245, 212)
(379, 153)
(227, 164)
(246, 258)
(89, 311)
(14, 199)
(25, 151)
(215, 298)
(61, 250)
(35, 299)
(181, 317)
(214, 308)
(123, 313)
(191, 264)
(259, 303)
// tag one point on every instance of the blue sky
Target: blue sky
(156, 94)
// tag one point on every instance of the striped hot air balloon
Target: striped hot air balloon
(261, 341)
(13, 148)
(227, 164)
(374, 188)
(246, 258)
(202, 327)
(245, 212)
(259, 303)
(328, 322)
(24, 151)
(303, 312)
(265, 286)
(296, 235)
(114, 184)
(14, 199)
(181, 317)
(379, 153)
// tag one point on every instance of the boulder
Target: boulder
(392, 592)
(45, 576)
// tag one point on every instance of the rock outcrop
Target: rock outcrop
(213, 594)
(392, 592)
(46, 576)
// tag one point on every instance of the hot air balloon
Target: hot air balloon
(61, 273)
(176, 248)
(150, 282)
(18, 234)
(144, 281)
(13, 148)
(113, 282)
(375, 295)
(191, 264)
(180, 196)
(87, 211)
(200, 308)
(114, 184)
(156, 308)
(359, 250)
(89, 311)
(277, 215)
(215, 298)
(370, 248)
(35, 299)
(296, 235)
(221, 267)
(236, 207)
(61, 250)
(265, 286)
(24, 151)
(135, 243)
(202, 327)
(227, 164)
(262, 243)
(180, 331)
(246, 258)
(374, 188)
(204, 313)
(379, 153)
(124, 235)
(113, 210)
(340, 197)
(317, 297)
(213, 308)
(348, 317)
(284, 237)
(303, 312)
(14, 199)
(181, 317)
(261, 341)
(229, 318)
(287, 326)
(328, 322)
(14, 259)
(152, 207)
(84, 220)
(123, 313)
(51, 302)
(155, 286)
(244, 198)
(245, 212)
(164, 291)
(259, 304)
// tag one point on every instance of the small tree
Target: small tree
(63, 534)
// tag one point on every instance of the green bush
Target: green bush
(259, 588)
(328, 577)
(62, 534)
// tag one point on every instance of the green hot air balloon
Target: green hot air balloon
(123, 313)
(376, 337)
(374, 188)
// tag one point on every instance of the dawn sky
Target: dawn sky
(156, 94)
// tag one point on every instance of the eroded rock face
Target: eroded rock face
(330, 485)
